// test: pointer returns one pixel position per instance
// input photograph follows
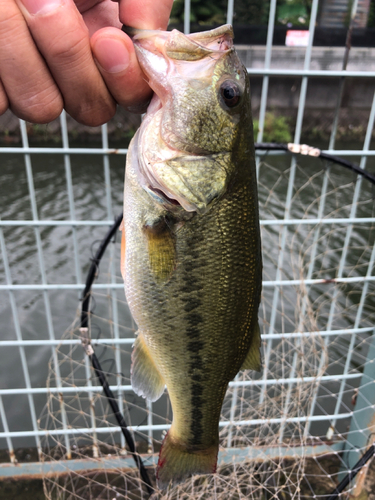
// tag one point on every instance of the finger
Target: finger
(62, 38)
(4, 103)
(117, 62)
(99, 15)
(145, 14)
(115, 55)
(26, 81)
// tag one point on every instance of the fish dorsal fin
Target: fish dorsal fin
(146, 379)
(253, 359)
(161, 250)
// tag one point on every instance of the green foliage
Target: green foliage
(254, 12)
(295, 12)
(201, 12)
(371, 15)
(214, 12)
(42, 133)
(276, 129)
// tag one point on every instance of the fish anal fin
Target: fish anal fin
(123, 247)
(146, 379)
(161, 250)
(177, 462)
(253, 359)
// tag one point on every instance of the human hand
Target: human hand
(48, 62)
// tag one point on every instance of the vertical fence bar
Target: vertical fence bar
(232, 413)
(69, 184)
(309, 276)
(116, 333)
(297, 138)
(187, 17)
(363, 421)
(284, 230)
(30, 182)
(17, 327)
(95, 446)
(342, 79)
(230, 11)
(149, 422)
(4, 422)
(267, 64)
(310, 271)
(107, 172)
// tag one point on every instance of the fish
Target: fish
(191, 249)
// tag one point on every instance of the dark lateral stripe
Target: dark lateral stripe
(191, 285)
(196, 414)
(192, 304)
(195, 362)
(194, 348)
(197, 377)
(193, 319)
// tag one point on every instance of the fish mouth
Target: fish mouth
(160, 53)
(178, 46)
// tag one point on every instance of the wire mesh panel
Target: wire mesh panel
(291, 431)
(276, 427)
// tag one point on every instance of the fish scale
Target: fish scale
(192, 276)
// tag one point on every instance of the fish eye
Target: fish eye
(230, 92)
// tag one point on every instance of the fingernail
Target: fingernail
(41, 7)
(111, 55)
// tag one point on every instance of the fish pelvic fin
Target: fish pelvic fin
(146, 379)
(177, 462)
(253, 360)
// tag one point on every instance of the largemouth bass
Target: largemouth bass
(191, 256)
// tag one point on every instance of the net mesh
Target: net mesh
(288, 432)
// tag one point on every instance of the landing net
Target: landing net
(290, 432)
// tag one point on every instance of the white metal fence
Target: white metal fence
(334, 383)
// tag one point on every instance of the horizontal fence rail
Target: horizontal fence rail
(98, 151)
(120, 286)
(130, 341)
(165, 427)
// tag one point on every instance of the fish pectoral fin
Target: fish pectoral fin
(161, 250)
(146, 379)
(253, 359)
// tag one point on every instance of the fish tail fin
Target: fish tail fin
(177, 462)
